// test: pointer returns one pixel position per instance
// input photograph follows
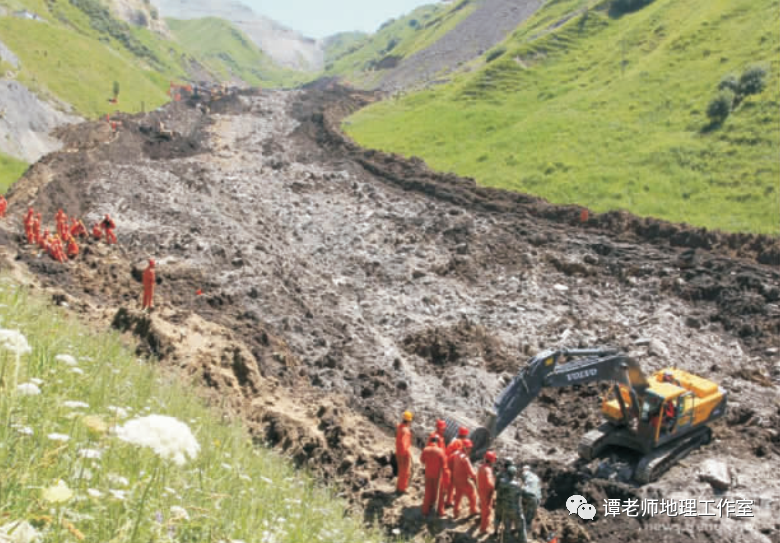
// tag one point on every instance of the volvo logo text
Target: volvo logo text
(581, 374)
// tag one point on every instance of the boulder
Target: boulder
(716, 473)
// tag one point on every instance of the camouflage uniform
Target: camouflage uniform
(532, 495)
(508, 510)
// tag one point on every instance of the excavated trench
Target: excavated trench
(342, 286)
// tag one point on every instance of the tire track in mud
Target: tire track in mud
(344, 286)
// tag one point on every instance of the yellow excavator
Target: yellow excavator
(663, 418)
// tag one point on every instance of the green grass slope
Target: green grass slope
(81, 49)
(228, 52)
(361, 63)
(72, 479)
(11, 169)
(609, 112)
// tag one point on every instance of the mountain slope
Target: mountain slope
(583, 106)
(286, 47)
(229, 53)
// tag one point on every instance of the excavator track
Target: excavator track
(593, 442)
(655, 464)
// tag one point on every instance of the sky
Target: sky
(321, 18)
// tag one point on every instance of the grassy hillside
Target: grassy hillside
(72, 479)
(395, 40)
(586, 106)
(228, 52)
(11, 169)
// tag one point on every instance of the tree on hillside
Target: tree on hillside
(729, 83)
(720, 107)
(733, 91)
(752, 81)
(627, 6)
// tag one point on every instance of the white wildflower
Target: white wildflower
(77, 371)
(179, 513)
(166, 436)
(227, 467)
(14, 341)
(94, 493)
(24, 430)
(66, 359)
(19, 531)
(75, 405)
(266, 480)
(92, 454)
(120, 495)
(245, 477)
(59, 437)
(28, 389)
(115, 479)
(36, 381)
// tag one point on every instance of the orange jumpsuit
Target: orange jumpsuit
(445, 475)
(36, 228)
(454, 446)
(433, 459)
(486, 485)
(3, 206)
(73, 248)
(148, 280)
(62, 226)
(97, 233)
(78, 229)
(108, 227)
(403, 454)
(462, 475)
(43, 242)
(28, 224)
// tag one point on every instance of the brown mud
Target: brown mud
(342, 286)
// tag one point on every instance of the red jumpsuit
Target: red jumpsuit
(403, 454)
(454, 446)
(62, 226)
(108, 227)
(78, 229)
(148, 279)
(486, 485)
(3, 206)
(462, 475)
(43, 243)
(445, 475)
(433, 459)
(73, 248)
(36, 228)
(97, 233)
(28, 225)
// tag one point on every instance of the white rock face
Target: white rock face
(26, 122)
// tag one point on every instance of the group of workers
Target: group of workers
(63, 244)
(450, 477)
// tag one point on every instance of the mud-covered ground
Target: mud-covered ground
(342, 286)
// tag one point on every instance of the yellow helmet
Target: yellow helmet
(408, 416)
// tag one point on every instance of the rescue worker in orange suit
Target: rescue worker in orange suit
(433, 459)
(486, 486)
(108, 227)
(97, 233)
(148, 280)
(77, 229)
(462, 476)
(28, 220)
(62, 225)
(36, 228)
(403, 452)
(3, 206)
(57, 251)
(454, 446)
(73, 248)
(441, 426)
(43, 242)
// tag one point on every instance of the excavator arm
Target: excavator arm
(547, 370)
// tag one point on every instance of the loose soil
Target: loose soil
(342, 286)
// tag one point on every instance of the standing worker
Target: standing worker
(403, 452)
(433, 459)
(486, 485)
(28, 220)
(108, 226)
(36, 228)
(73, 248)
(508, 510)
(3, 206)
(441, 426)
(149, 279)
(454, 446)
(532, 495)
(462, 475)
(97, 233)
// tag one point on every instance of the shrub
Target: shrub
(729, 83)
(720, 107)
(752, 81)
(495, 53)
(627, 6)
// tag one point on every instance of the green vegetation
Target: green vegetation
(230, 53)
(66, 473)
(610, 112)
(11, 169)
(362, 62)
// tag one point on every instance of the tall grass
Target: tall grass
(11, 169)
(49, 445)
